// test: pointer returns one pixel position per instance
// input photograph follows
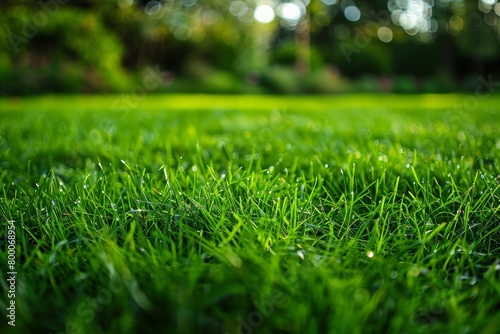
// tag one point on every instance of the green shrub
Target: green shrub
(440, 83)
(324, 81)
(72, 51)
(280, 79)
(404, 84)
(367, 84)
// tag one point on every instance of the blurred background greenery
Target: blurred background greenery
(247, 46)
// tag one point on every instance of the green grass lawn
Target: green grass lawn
(210, 214)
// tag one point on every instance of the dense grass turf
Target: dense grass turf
(179, 214)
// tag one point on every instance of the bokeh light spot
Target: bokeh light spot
(188, 3)
(456, 23)
(385, 34)
(210, 17)
(329, 2)
(414, 16)
(352, 13)
(125, 3)
(490, 19)
(290, 11)
(264, 14)
(238, 8)
(152, 8)
(182, 33)
(489, 2)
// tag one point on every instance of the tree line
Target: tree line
(247, 45)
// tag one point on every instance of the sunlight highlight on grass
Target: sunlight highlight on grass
(348, 214)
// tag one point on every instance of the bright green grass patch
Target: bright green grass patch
(192, 214)
(252, 103)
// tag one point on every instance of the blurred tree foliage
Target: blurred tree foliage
(65, 49)
(220, 46)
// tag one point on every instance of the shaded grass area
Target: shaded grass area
(214, 214)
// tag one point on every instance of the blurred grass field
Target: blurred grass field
(252, 214)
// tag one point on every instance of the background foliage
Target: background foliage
(220, 46)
